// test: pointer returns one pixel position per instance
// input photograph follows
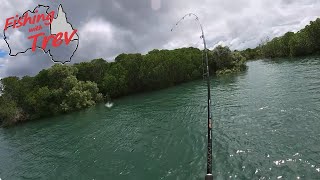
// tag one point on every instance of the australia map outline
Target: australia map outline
(54, 27)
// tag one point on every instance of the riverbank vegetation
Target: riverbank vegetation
(302, 43)
(66, 88)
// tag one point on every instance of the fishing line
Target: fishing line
(209, 175)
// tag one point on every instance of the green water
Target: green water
(266, 127)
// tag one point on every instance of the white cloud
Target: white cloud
(243, 24)
(10, 8)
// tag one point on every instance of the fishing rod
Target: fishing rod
(209, 175)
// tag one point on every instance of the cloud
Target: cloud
(108, 28)
(99, 39)
(29, 63)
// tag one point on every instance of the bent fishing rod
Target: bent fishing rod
(209, 175)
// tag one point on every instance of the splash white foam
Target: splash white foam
(296, 154)
(240, 151)
(278, 162)
(109, 105)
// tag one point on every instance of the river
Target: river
(266, 126)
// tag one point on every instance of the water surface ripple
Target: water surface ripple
(266, 126)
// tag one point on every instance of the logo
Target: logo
(54, 36)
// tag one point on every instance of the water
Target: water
(266, 126)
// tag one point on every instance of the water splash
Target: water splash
(109, 105)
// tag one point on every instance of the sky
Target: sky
(3, 53)
(107, 28)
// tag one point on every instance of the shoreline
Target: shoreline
(21, 123)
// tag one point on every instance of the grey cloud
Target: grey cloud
(109, 27)
(26, 64)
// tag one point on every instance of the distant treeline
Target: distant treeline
(61, 88)
(304, 42)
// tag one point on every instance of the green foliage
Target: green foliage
(227, 61)
(222, 56)
(77, 99)
(114, 82)
(40, 102)
(12, 87)
(304, 42)
(92, 71)
(9, 112)
(53, 91)
(250, 53)
(62, 88)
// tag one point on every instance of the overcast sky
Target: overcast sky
(109, 27)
